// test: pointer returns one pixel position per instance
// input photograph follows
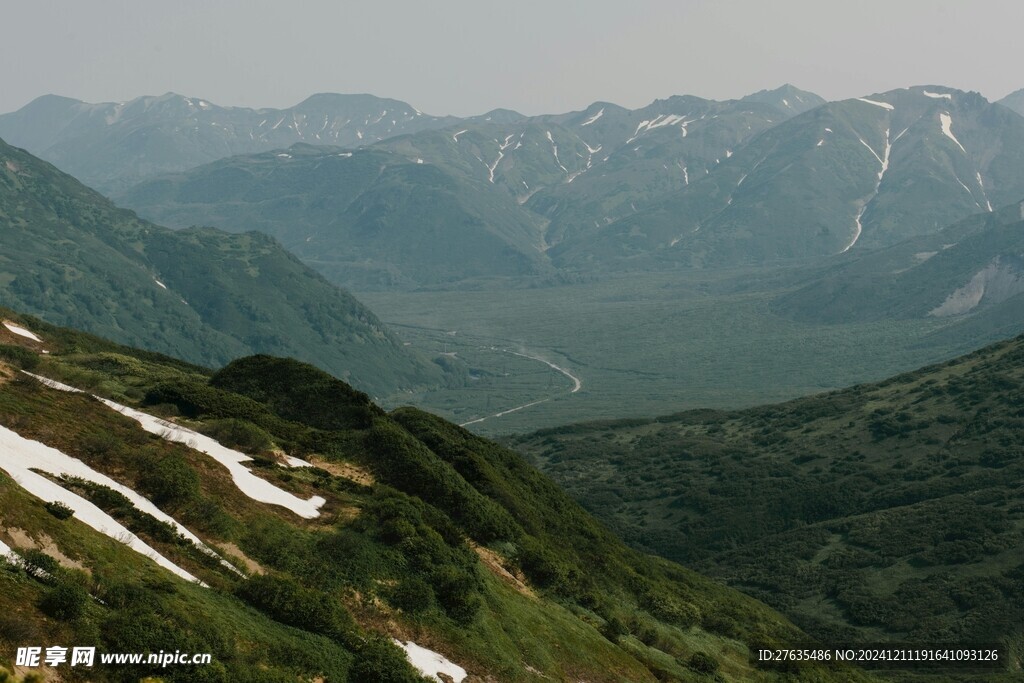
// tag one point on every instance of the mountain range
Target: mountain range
(109, 146)
(846, 176)
(493, 196)
(777, 177)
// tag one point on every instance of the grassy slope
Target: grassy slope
(392, 554)
(886, 511)
(72, 257)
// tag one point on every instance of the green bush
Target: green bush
(703, 663)
(238, 434)
(19, 356)
(171, 480)
(412, 595)
(59, 510)
(65, 601)
(381, 661)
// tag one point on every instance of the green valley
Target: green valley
(887, 511)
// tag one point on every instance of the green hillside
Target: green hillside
(886, 511)
(369, 218)
(423, 532)
(73, 258)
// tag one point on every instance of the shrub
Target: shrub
(18, 356)
(65, 601)
(239, 434)
(381, 661)
(412, 595)
(171, 480)
(703, 663)
(59, 510)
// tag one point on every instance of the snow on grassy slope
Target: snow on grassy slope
(21, 331)
(7, 554)
(20, 456)
(430, 663)
(248, 483)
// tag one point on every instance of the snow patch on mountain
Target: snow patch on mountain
(248, 483)
(554, 150)
(593, 118)
(883, 105)
(7, 554)
(21, 331)
(947, 129)
(884, 162)
(938, 95)
(984, 194)
(252, 486)
(20, 457)
(430, 663)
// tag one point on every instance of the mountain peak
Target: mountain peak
(787, 97)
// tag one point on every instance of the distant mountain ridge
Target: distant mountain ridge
(860, 173)
(110, 145)
(489, 195)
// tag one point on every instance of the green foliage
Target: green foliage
(881, 510)
(59, 510)
(412, 595)
(238, 434)
(380, 660)
(286, 601)
(298, 391)
(703, 663)
(407, 464)
(19, 356)
(66, 601)
(170, 480)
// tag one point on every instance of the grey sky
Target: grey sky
(465, 57)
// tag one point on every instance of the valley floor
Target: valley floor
(642, 345)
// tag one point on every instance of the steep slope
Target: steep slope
(71, 256)
(971, 270)
(1014, 101)
(887, 511)
(367, 217)
(110, 146)
(855, 174)
(418, 532)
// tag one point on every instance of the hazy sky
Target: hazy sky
(468, 56)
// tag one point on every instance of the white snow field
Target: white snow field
(21, 331)
(248, 483)
(430, 663)
(20, 456)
